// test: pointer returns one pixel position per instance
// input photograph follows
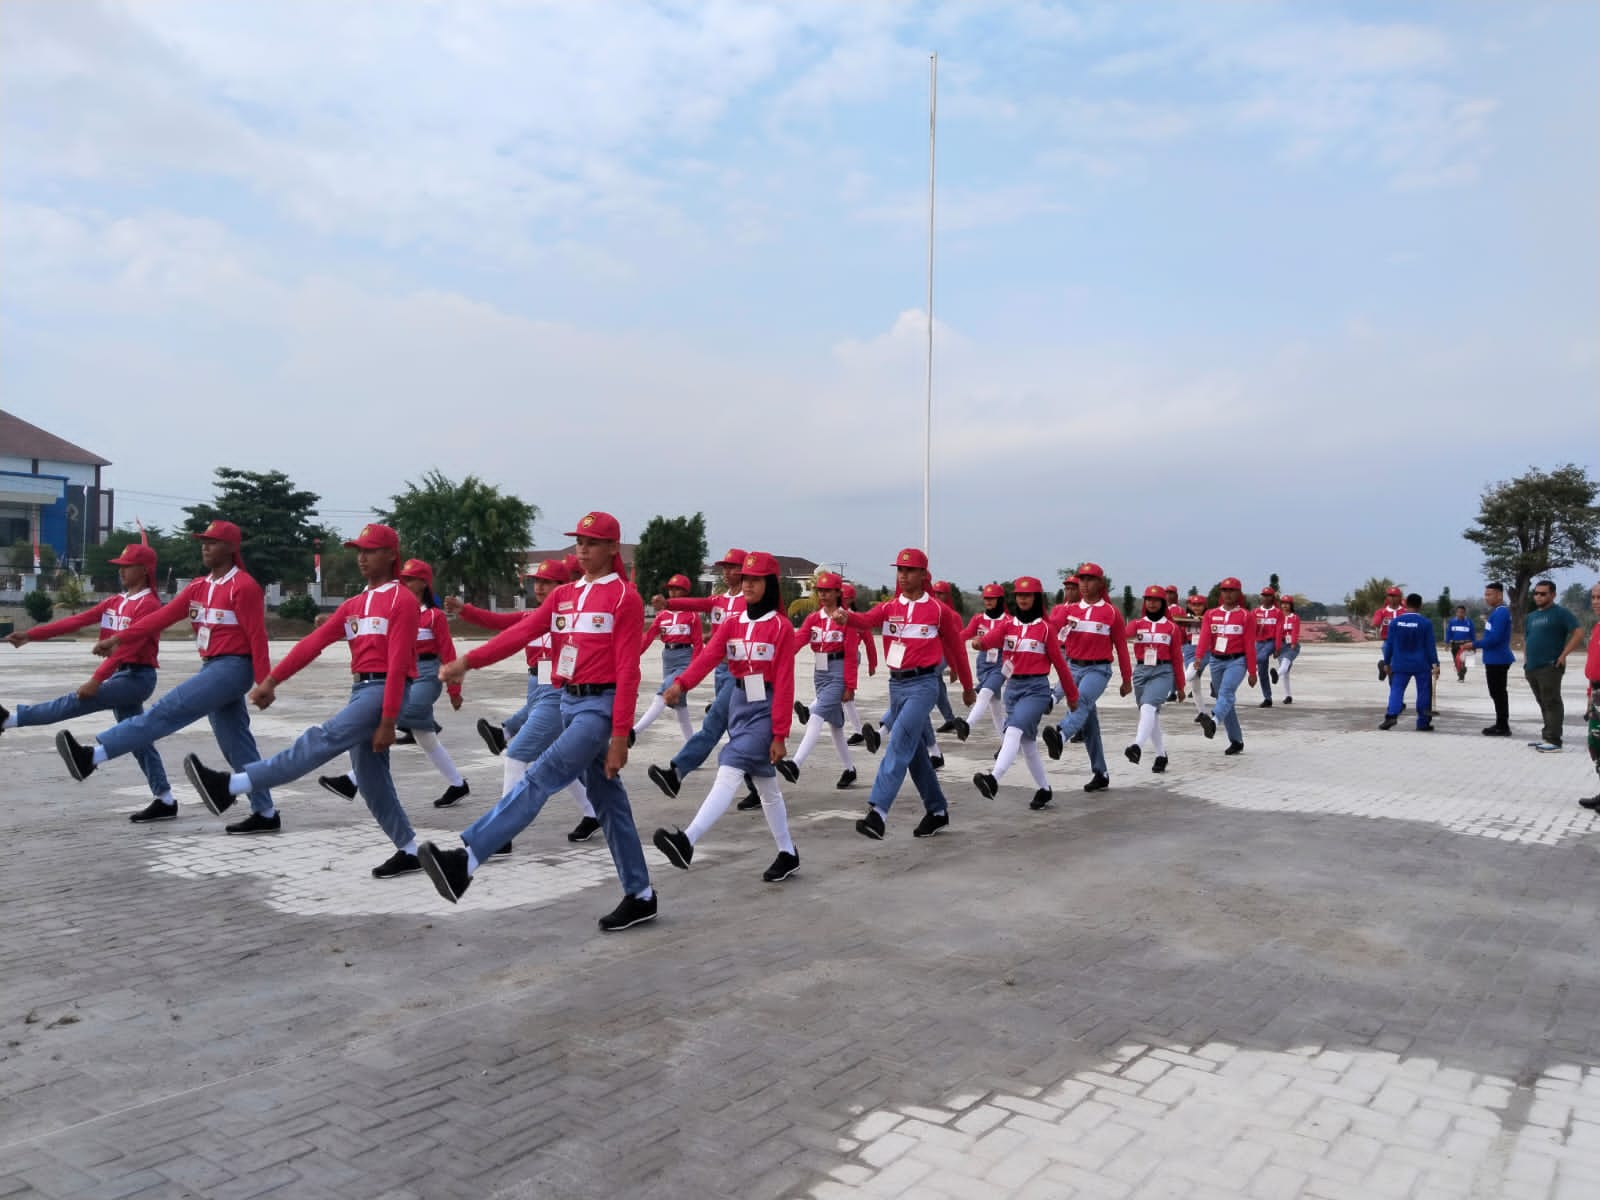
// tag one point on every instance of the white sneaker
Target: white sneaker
(1547, 748)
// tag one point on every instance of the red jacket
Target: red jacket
(433, 637)
(980, 626)
(679, 628)
(380, 623)
(1098, 632)
(820, 633)
(1266, 619)
(1382, 618)
(927, 630)
(537, 650)
(1031, 650)
(1288, 630)
(1158, 642)
(601, 622)
(1227, 631)
(721, 606)
(115, 615)
(229, 617)
(763, 646)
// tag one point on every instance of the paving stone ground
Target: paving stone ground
(1347, 963)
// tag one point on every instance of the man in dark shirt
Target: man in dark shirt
(1550, 633)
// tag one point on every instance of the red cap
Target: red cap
(1269, 591)
(847, 593)
(1172, 589)
(1230, 582)
(1394, 591)
(135, 555)
(941, 587)
(573, 567)
(1091, 571)
(911, 557)
(220, 531)
(1155, 592)
(733, 558)
(415, 568)
(599, 525)
(375, 537)
(680, 581)
(1193, 596)
(829, 579)
(993, 591)
(1027, 583)
(553, 570)
(759, 562)
(1070, 580)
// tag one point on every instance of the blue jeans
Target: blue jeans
(1398, 679)
(699, 747)
(1092, 680)
(749, 747)
(675, 661)
(578, 753)
(515, 721)
(540, 728)
(1152, 685)
(943, 702)
(124, 694)
(1226, 676)
(829, 683)
(1027, 700)
(217, 692)
(906, 748)
(1188, 656)
(421, 697)
(1264, 668)
(351, 728)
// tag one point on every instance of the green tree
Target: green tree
(177, 558)
(957, 600)
(274, 517)
(37, 602)
(1445, 606)
(1576, 598)
(470, 533)
(22, 557)
(1538, 523)
(1127, 601)
(1368, 599)
(1274, 584)
(69, 592)
(669, 546)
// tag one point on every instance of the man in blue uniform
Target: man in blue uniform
(1496, 655)
(1458, 633)
(1409, 653)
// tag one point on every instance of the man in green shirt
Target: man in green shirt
(1550, 633)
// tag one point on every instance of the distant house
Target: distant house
(50, 492)
(795, 575)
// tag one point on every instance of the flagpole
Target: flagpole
(927, 439)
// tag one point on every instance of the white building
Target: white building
(50, 492)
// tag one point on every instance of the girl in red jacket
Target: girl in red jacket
(681, 639)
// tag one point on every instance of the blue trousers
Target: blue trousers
(578, 753)
(1188, 656)
(1226, 676)
(749, 747)
(124, 695)
(906, 748)
(541, 727)
(1092, 680)
(349, 729)
(943, 702)
(216, 692)
(1399, 679)
(699, 747)
(1027, 700)
(1264, 668)
(423, 694)
(514, 722)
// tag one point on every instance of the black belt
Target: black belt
(589, 689)
(913, 672)
(425, 657)
(1090, 662)
(534, 671)
(1228, 657)
(370, 676)
(830, 657)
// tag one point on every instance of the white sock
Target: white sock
(272, 811)
(809, 741)
(938, 750)
(581, 795)
(411, 846)
(1283, 678)
(438, 756)
(1030, 755)
(515, 769)
(685, 725)
(167, 797)
(351, 776)
(657, 706)
(646, 894)
(1008, 752)
(238, 783)
(776, 814)
(472, 861)
(1157, 739)
(997, 714)
(100, 755)
(842, 745)
(852, 716)
(1147, 721)
(985, 698)
(728, 781)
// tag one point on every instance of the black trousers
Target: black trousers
(1496, 674)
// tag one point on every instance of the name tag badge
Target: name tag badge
(1222, 644)
(991, 656)
(202, 638)
(1289, 637)
(896, 656)
(1150, 656)
(755, 688)
(1008, 669)
(547, 672)
(567, 664)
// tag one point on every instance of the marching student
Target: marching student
(988, 669)
(1098, 633)
(380, 625)
(681, 639)
(1029, 651)
(758, 646)
(1288, 642)
(1266, 619)
(1458, 634)
(1179, 617)
(434, 647)
(1061, 619)
(1228, 645)
(834, 666)
(1157, 673)
(1195, 611)
(226, 608)
(123, 682)
(546, 577)
(868, 734)
(1391, 609)
(601, 618)
(941, 590)
(918, 632)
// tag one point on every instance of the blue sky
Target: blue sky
(1222, 289)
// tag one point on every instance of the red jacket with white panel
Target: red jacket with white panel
(1159, 641)
(115, 615)
(928, 632)
(1227, 631)
(229, 615)
(819, 634)
(1029, 648)
(763, 646)
(380, 624)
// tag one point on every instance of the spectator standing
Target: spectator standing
(1550, 633)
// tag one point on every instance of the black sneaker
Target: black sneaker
(256, 823)
(493, 736)
(456, 791)
(584, 830)
(1461, 676)
(1234, 748)
(871, 825)
(447, 869)
(1383, 672)
(802, 712)
(1497, 731)
(847, 779)
(787, 768)
(750, 801)
(1097, 783)
(1428, 728)
(856, 739)
(1198, 718)
(79, 759)
(632, 911)
(936, 761)
(963, 730)
(1267, 703)
(948, 727)
(1041, 798)
(1208, 723)
(633, 737)
(1274, 674)
(1592, 803)
(873, 737)
(1077, 738)
(931, 824)
(405, 738)
(1052, 740)
(156, 810)
(1133, 754)
(504, 850)
(212, 786)
(340, 785)
(1388, 722)
(1288, 699)
(397, 864)
(988, 786)
(1159, 767)
(676, 846)
(5, 715)
(782, 867)
(666, 779)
